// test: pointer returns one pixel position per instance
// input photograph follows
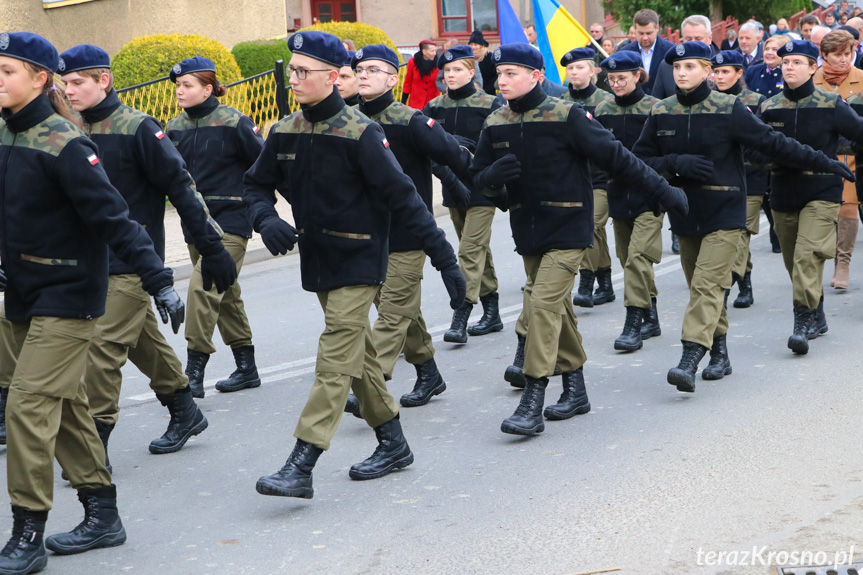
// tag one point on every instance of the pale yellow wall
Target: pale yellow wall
(112, 23)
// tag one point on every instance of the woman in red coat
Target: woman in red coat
(419, 87)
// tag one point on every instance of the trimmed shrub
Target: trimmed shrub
(260, 55)
(361, 34)
(150, 57)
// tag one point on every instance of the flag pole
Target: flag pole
(598, 47)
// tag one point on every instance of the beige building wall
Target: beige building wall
(112, 23)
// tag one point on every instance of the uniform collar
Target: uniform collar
(699, 94)
(325, 109)
(103, 109)
(465, 91)
(205, 108)
(30, 115)
(734, 90)
(353, 100)
(582, 94)
(630, 99)
(800, 92)
(378, 105)
(529, 101)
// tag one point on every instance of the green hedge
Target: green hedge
(260, 55)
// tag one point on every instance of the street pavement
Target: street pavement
(650, 482)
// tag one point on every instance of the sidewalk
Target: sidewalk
(177, 254)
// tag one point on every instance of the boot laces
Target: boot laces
(632, 322)
(689, 358)
(585, 285)
(19, 537)
(527, 404)
(91, 513)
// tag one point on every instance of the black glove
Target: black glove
(840, 169)
(693, 167)
(455, 285)
(171, 307)
(502, 171)
(674, 200)
(279, 236)
(2, 280)
(454, 190)
(466, 143)
(218, 268)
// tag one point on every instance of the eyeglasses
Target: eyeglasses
(302, 73)
(372, 71)
(794, 64)
(618, 82)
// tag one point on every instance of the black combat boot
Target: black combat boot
(25, 551)
(353, 406)
(246, 374)
(745, 298)
(186, 421)
(104, 430)
(513, 373)
(720, 365)
(527, 419)
(573, 400)
(584, 296)
(195, 365)
(294, 479)
(675, 244)
(4, 394)
(490, 321)
(429, 383)
(799, 340)
(392, 452)
(457, 332)
(604, 290)
(101, 526)
(819, 322)
(630, 339)
(650, 322)
(683, 376)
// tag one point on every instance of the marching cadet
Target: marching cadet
(335, 167)
(806, 203)
(144, 167)
(219, 143)
(541, 149)
(596, 265)
(60, 215)
(637, 230)
(416, 141)
(461, 111)
(697, 138)
(727, 76)
(347, 82)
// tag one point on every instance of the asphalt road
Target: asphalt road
(650, 482)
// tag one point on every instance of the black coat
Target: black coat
(145, 167)
(58, 216)
(589, 98)
(343, 182)
(660, 49)
(757, 178)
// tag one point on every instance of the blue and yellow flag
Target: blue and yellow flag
(557, 33)
(510, 27)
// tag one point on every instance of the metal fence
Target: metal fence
(265, 98)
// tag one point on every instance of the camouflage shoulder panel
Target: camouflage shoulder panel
(777, 102)
(598, 97)
(644, 105)
(551, 110)
(751, 99)
(396, 114)
(180, 123)
(49, 136)
(820, 98)
(123, 121)
(607, 108)
(715, 103)
(222, 116)
(568, 97)
(855, 99)
(501, 116)
(348, 123)
(482, 100)
(665, 106)
(439, 102)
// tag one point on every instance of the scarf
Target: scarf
(424, 66)
(834, 76)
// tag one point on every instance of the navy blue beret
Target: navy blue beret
(29, 47)
(688, 51)
(455, 53)
(587, 53)
(83, 57)
(728, 58)
(623, 61)
(320, 46)
(375, 52)
(196, 64)
(519, 54)
(349, 58)
(800, 48)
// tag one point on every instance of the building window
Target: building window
(60, 3)
(334, 11)
(465, 16)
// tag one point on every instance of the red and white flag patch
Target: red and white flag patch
(431, 122)
(589, 115)
(256, 129)
(386, 143)
(160, 134)
(93, 159)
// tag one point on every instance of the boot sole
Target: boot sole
(582, 302)
(420, 402)
(798, 347)
(37, 565)
(266, 489)
(400, 464)
(107, 540)
(715, 375)
(178, 446)
(496, 327)
(555, 415)
(742, 304)
(454, 339)
(649, 334)
(817, 333)
(625, 347)
(680, 379)
(513, 430)
(514, 378)
(603, 299)
(249, 384)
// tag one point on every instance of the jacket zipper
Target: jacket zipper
(309, 222)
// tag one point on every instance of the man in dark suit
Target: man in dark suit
(649, 45)
(695, 28)
(747, 42)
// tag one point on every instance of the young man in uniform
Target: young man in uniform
(347, 82)
(144, 167)
(541, 149)
(335, 167)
